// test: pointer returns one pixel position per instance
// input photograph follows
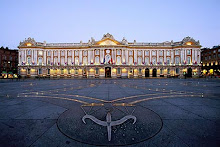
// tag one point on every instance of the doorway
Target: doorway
(108, 72)
(147, 72)
(189, 72)
(154, 72)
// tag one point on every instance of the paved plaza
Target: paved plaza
(110, 112)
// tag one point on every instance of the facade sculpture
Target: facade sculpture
(109, 58)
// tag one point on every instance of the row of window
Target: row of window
(177, 52)
(118, 61)
(97, 71)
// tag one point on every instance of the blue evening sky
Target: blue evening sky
(140, 20)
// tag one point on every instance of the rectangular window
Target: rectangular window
(40, 53)
(40, 61)
(48, 53)
(69, 53)
(153, 53)
(177, 52)
(139, 71)
(168, 53)
(147, 60)
(168, 60)
(97, 52)
(161, 53)
(139, 53)
(130, 53)
(146, 53)
(85, 53)
(188, 52)
(118, 52)
(177, 60)
(161, 60)
(188, 60)
(48, 61)
(55, 53)
(29, 52)
(62, 53)
(29, 60)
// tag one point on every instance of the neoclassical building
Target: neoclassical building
(109, 58)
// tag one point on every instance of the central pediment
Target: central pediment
(108, 42)
(108, 39)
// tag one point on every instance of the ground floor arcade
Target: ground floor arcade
(110, 71)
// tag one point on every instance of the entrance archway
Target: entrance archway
(147, 72)
(154, 72)
(189, 72)
(108, 72)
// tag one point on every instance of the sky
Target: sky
(68, 21)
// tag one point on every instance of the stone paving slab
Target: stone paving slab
(189, 108)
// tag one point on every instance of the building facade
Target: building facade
(8, 63)
(110, 58)
(211, 61)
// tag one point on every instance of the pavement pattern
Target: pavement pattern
(169, 112)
